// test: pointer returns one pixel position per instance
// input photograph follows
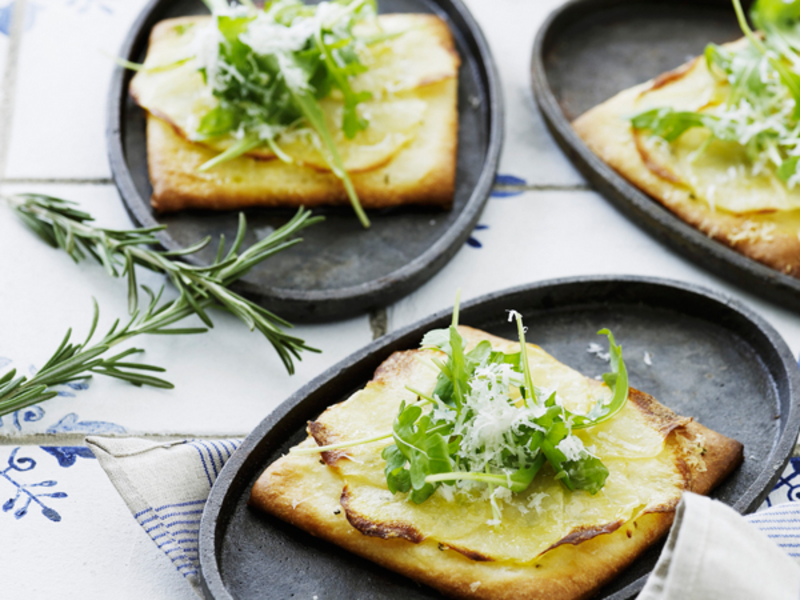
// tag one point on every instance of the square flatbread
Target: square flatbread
(551, 544)
(770, 235)
(409, 157)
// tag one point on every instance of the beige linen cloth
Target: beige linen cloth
(713, 553)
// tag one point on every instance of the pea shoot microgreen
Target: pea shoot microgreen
(762, 110)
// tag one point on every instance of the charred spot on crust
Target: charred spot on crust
(665, 507)
(651, 164)
(658, 416)
(470, 554)
(686, 473)
(378, 529)
(398, 363)
(584, 534)
(670, 76)
(323, 437)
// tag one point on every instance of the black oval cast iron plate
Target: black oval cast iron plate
(589, 50)
(712, 359)
(340, 269)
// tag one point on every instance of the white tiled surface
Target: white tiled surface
(5, 26)
(96, 550)
(529, 151)
(62, 87)
(226, 380)
(544, 235)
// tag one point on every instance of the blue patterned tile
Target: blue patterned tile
(28, 494)
(507, 181)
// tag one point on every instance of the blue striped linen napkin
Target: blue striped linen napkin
(166, 485)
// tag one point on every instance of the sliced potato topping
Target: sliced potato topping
(719, 173)
(413, 52)
(644, 471)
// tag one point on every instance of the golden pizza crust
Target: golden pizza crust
(311, 494)
(770, 238)
(418, 171)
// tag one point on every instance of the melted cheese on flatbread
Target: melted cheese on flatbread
(644, 473)
(436, 545)
(721, 174)
(419, 56)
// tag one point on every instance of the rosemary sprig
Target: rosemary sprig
(72, 362)
(62, 225)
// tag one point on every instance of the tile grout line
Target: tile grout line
(77, 439)
(8, 92)
(534, 187)
(378, 323)
(545, 187)
(58, 181)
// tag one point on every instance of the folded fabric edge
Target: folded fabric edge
(168, 509)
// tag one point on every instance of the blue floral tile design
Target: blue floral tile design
(27, 494)
(507, 181)
(18, 418)
(71, 424)
(6, 13)
(473, 241)
(788, 487)
(83, 6)
(6, 16)
(67, 455)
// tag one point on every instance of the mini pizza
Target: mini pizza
(545, 495)
(716, 141)
(245, 109)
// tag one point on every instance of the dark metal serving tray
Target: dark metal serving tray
(712, 359)
(589, 50)
(340, 269)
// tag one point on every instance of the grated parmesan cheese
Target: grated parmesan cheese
(753, 232)
(572, 448)
(597, 350)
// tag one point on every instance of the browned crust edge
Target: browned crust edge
(176, 189)
(618, 147)
(385, 531)
(602, 555)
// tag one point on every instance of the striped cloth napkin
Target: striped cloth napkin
(165, 486)
(712, 552)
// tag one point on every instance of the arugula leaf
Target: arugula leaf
(616, 380)
(741, 69)
(670, 124)
(588, 474)
(263, 95)
(429, 447)
(789, 78)
(779, 19)
(788, 168)
(437, 339)
(425, 452)
(220, 120)
(398, 478)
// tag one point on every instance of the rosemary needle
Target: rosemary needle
(62, 225)
(72, 362)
